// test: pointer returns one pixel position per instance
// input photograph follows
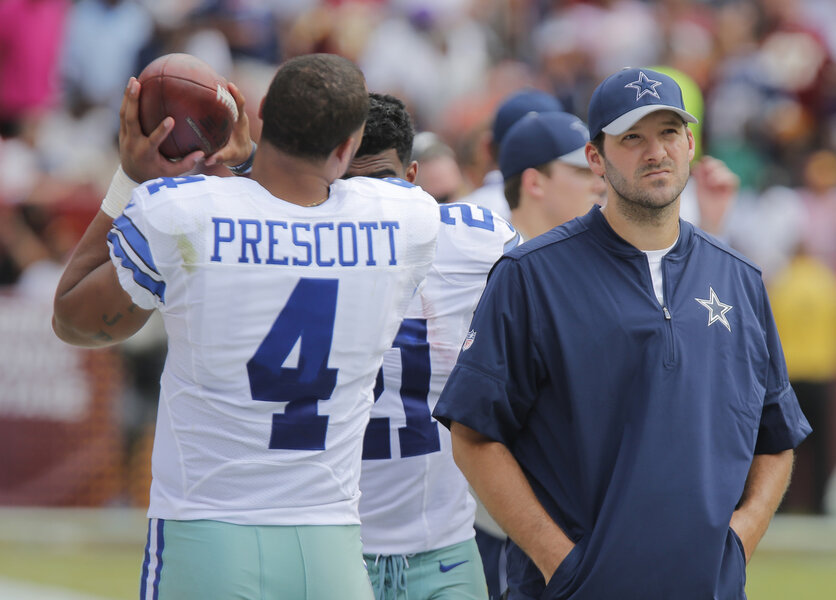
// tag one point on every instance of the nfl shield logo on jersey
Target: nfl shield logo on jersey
(468, 341)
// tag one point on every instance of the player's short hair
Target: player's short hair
(314, 103)
(513, 184)
(388, 126)
(598, 143)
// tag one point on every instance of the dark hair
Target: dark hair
(514, 183)
(598, 143)
(388, 126)
(315, 102)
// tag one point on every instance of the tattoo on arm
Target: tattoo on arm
(113, 321)
(103, 336)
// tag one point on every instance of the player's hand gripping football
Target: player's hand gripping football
(140, 154)
(238, 148)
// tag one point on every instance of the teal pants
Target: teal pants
(451, 573)
(211, 560)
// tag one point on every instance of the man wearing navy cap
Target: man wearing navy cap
(512, 109)
(622, 406)
(547, 179)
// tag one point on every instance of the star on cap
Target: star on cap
(644, 85)
(716, 310)
(579, 126)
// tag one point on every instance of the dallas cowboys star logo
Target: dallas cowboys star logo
(644, 85)
(716, 310)
(579, 127)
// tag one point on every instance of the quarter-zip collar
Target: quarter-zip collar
(605, 235)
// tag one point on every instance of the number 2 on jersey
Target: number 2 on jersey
(307, 318)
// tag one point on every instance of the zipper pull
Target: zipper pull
(667, 313)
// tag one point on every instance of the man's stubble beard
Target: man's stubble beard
(638, 205)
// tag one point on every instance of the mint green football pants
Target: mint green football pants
(450, 573)
(212, 560)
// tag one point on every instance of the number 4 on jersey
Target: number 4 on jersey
(307, 317)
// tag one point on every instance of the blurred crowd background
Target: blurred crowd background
(75, 425)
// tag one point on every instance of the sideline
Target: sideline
(56, 526)
(20, 590)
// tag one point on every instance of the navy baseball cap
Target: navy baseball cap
(520, 104)
(623, 98)
(539, 138)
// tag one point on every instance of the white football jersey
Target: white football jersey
(415, 498)
(277, 317)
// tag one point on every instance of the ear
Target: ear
(261, 108)
(530, 183)
(596, 161)
(411, 171)
(487, 147)
(345, 152)
(692, 144)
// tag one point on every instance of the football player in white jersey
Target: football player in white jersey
(416, 512)
(280, 294)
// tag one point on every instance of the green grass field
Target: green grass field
(112, 572)
(791, 576)
(797, 560)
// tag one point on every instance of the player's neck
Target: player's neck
(648, 232)
(528, 223)
(292, 179)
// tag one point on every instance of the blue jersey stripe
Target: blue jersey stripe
(143, 583)
(136, 240)
(160, 547)
(399, 181)
(140, 277)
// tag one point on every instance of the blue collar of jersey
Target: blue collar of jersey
(600, 229)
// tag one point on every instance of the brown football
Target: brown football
(186, 88)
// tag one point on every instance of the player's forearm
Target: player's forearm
(90, 307)
(498, 480)
(765, 486)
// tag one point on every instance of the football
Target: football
(189, 90)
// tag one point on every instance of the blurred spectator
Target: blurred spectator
(427, 52)
(769, 95)
(439, 175)
(803, 298)
(336, 27)
(104, 40)
(33, 270)
(491, 194)
(709, 195)
(763, 227)
(37, 238)
(31, 35)
(819, 201)
(250, 29)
